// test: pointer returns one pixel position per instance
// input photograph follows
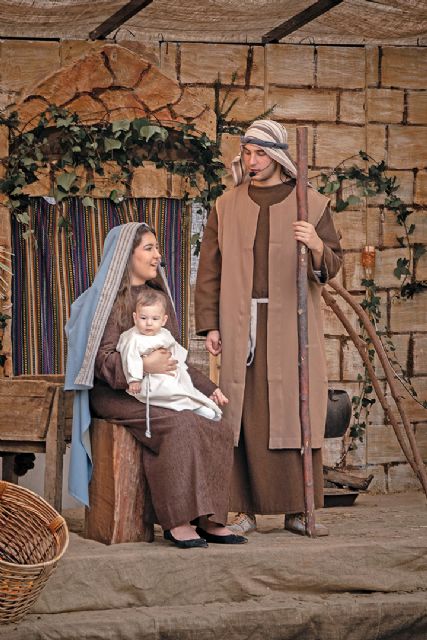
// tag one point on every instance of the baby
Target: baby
(174, 391)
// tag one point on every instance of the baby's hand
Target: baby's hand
(134, 387)
(218, 397)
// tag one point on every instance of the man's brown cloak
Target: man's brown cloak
(237, 224)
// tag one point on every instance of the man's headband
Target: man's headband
(263, 143)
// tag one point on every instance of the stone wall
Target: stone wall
(351, 98)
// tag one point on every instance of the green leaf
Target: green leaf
(398, 272)
(419, 250)
(65, 180)
(116, 196)
(341, 205)
(88, 202)
(331, 187)
(352, 200)
(120, 125)
(24, 218)
(112, 143)
(64, 122)
(148, 131)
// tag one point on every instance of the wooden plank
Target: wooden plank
(117, 492)
(117, 19)
(55, 449)
(345, 479)
(8, 470)
(299, 20)
(18, 446)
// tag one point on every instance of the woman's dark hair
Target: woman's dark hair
(124, 303)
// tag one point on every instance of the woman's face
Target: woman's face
(145, 260)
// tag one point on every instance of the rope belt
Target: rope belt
(147, 408)
(252, 328)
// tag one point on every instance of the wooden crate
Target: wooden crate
(25, 409)
(33, 419)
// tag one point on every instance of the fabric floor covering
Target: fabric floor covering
(367, 580)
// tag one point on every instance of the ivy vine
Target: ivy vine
(373, 181)
(61, 143)
(351, 184)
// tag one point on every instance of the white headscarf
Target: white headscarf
(273, 138)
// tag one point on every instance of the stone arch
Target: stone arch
(111, 84)
(114, 83)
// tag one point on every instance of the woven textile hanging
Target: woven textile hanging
(50, 273)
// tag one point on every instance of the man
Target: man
(246, 305)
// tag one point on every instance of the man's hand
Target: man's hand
(213, 343)
(134, 387)
(160, 361)
(219, 398)
(306, 233)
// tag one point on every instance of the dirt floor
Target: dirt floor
(366, 581)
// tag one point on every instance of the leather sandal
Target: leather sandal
(295, 523)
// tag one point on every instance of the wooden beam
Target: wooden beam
(117, 19)
(296, 22)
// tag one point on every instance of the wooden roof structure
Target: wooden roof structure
(233, 21)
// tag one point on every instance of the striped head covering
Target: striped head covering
(273, 138)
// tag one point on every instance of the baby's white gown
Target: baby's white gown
(172, 392)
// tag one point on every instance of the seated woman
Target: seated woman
(188, 459)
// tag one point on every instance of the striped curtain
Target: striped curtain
(52, 269)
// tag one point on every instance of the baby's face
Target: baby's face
(150, 319)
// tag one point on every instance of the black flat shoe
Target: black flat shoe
(185, 544)
(231, 538)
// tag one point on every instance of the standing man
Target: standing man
(246, 306)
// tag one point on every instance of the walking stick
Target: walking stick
(302, 319)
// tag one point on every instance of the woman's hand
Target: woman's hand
(160, 361)
(213, 343)
(219, 398)
(306, 233)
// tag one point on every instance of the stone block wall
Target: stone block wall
(351, 98)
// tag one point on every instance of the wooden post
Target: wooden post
(302, 319)
(118, 491)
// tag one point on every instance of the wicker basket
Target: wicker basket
(33, 537)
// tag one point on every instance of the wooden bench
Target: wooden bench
(33, 419)
(118, 491)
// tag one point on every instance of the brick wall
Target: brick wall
(351, 98)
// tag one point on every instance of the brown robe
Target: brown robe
(265, 480)
(188, 460)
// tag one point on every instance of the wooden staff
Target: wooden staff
(302, 319)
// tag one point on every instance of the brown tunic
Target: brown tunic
(265, 481)
(188, 460)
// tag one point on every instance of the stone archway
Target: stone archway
(114, 83)
(111, 84)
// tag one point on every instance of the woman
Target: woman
(188, 459)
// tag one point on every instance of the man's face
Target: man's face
(258, 163)
(149, 319)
